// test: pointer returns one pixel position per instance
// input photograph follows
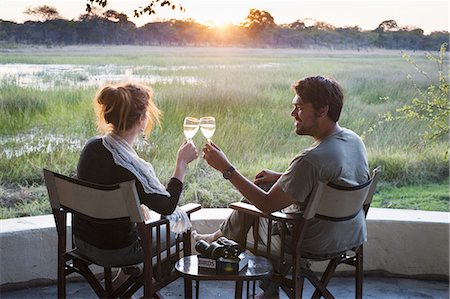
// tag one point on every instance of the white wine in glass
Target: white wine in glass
(190, 127)
(208, 126)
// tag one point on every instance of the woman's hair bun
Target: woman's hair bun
(107, 96)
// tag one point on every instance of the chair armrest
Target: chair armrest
(156, 221)
(247, 208)
(286, 217)
(254, 211)
(191, 208)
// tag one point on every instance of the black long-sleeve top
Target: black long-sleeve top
(97, 165)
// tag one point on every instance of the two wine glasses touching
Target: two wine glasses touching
(206, 124)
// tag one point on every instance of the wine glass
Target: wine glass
(208, 127)
(190, 127)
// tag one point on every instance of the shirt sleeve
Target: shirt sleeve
(162, 204)
(298, 180)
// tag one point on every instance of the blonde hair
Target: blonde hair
(119, 107)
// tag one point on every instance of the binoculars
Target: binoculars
(223, 247)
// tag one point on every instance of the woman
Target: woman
(123, 113)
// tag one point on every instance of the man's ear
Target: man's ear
(323, 111)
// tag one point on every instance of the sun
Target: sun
(218, 23)
(217, 14)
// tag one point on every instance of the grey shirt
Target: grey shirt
(340, 158)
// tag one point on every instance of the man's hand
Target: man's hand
(266, 176)
(215, 157)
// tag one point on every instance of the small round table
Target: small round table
(258, 267)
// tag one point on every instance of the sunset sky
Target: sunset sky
(427, 15)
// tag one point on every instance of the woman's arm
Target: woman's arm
(166, 204)
(186, 154)
(162, 204)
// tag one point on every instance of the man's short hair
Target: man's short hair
(320, 92)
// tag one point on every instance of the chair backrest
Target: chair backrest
(336, 202)
(375, 176)
(96, 201)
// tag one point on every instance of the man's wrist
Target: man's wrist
(228, 172)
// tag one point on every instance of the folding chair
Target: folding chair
(328, 201)
(71, 196)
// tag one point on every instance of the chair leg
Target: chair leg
(326, 277)
(61, 220)
(359, 272)
(297, 279)
(298, 287)
(148, 283)
(108, 280)
(61, 281)
(317, 284)
(84, 270)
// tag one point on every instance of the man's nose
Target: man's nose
(293, 112)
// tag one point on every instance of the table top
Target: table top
(258, 267)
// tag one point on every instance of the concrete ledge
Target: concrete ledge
(401, 243)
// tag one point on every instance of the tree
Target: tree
(115, 16)
(432, 104)
(258, 20)
(149, 9)
(320, 25)
(297, 25)
(386, 26)
(43, 13)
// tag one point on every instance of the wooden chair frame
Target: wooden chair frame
(66, 197)
(319, 206)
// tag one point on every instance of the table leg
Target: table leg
(238, 290)
(188, 288)
(197, 288)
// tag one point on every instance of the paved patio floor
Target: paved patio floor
(341, 287)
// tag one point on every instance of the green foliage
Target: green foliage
(257, 30)
(43, 12)
(411, 167)
(432, 104)
(258, 20)
(247, 90)
(427, 197)
(23, 201)
(149, 9)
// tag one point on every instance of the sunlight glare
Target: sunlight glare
(219, 18)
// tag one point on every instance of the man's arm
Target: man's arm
(268, 202)
(267, 176)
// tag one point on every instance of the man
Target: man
(338, 155)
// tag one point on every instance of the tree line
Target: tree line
(257, 30)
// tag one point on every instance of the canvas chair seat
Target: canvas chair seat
(69, 196)
(328, 201)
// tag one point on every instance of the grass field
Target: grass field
(45, 122)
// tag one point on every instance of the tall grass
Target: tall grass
(247, 90)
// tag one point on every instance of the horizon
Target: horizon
(427, 15)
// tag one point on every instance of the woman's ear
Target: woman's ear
(143, 120)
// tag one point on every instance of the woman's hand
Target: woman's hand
(215, 157)
(266, 176)
(187, 153)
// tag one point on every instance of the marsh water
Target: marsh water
(49, 76)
